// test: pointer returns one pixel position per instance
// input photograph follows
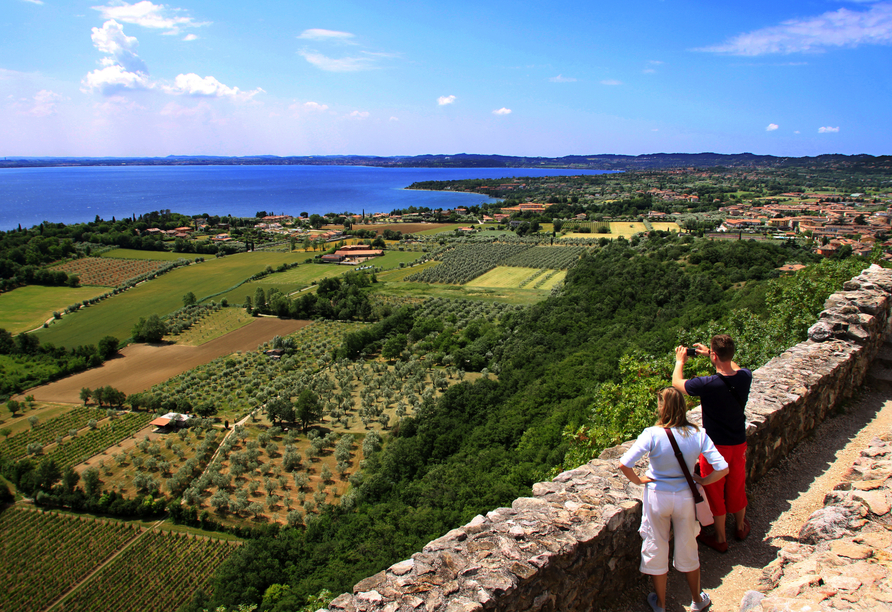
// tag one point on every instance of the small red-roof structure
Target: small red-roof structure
(171, 419)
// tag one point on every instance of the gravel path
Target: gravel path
(779, 504)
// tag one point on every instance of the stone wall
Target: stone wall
(574, 545)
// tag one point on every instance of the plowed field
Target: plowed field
(142, 365)
(109, 272)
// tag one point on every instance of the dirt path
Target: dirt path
(779, 504)
(142, 365)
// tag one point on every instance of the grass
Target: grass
(401, 273)
(117, 315)
(625, 228)
(511, 277)
(42, 410)
(287, 282)
(213, 326)
(393, 259)
(27, 308)
(153, 255)
(302, 275)
(665, 226)
(443, 228)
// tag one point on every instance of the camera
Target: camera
(691, 351)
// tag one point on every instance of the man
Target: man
(722, 397)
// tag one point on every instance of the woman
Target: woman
(668, 502)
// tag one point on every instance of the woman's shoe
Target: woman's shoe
(705, 602)
(744, 531)
(714, 544)
(654, 601)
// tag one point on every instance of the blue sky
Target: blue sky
(115, 78)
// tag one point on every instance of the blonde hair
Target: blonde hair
(672, 410)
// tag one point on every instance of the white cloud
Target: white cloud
(771, 127)
(113, 79)
(117, 105)
(149, 15)
(45, 103)
(444, 100)
(562, 79)
(190, 37)
(207, 87)
(394, 118)
(316, 107)
(175, 110)
(840, 28)
(111, 40)
(34, 1)
(611, 82)
(326, 35)
(502, 111)
(359, 114)
(339, 64)
(123, 69)
(828, 130)
(648, 71)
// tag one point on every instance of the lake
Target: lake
(29, 196)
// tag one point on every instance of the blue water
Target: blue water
(29, 196)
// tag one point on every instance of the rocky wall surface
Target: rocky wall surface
(841, 560)
(574, 544)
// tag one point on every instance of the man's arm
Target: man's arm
(678, 379)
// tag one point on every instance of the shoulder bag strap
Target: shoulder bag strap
(684, 468)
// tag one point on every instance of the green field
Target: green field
(116, 316)
(441, 229)
(302, 275)
(154, 255)
(393, 259)
(27, 308)
(507, 276)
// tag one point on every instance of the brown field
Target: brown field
(142, 365)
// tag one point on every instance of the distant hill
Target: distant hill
(654, 161)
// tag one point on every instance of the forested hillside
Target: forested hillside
(481, 445)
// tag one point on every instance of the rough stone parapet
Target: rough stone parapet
(574, 544)
(842, 558)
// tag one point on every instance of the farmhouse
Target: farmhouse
(171, 420)
(356, 255)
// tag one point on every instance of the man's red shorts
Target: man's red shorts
(727, 495)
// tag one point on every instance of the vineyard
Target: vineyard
(79, 448)
(109, 272)
(595, 227)
(44, 554)
(461, 265)
(45, 433)
(159, 571)
(552, 258)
